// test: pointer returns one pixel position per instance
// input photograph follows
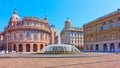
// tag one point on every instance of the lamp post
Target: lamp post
(1, 42)
(7, 44)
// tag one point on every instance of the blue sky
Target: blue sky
(57, 11)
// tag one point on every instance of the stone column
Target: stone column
(116, 46)
(115, 22)
(108, 47)
(24, 47)
(24, 35)
(107, 24)
(38, 48)
(85, 48)
(100, 45)
(44, 47)
(17, 48)
(94, 47)
(31, 47)
(12, 47)
(89, 47)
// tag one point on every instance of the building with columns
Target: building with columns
(72, 35)
(1, 38)
(103, 34)
(54, 34)
(30, 34)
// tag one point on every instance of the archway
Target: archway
(14, 47)
(46, 45)
(41, 46)
(0, 48)
(9, 48)
(119, 46)
(97, 47)
(112, 48)
(27, 47)
(4, 47)
(91, 48)
(35, 47)
(76, 46)
(20, 47)
(105, 47)
(87, 48)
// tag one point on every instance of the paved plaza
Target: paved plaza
(37, 55)
(93, 60)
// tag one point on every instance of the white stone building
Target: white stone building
(72, 35)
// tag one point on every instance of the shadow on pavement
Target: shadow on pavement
(83, 63)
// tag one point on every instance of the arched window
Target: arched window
(41, 37)
(118, 21)
(20, 36)
(28, 35)
(35, 35)
(46, 37)
(111, 24)
(104, 26)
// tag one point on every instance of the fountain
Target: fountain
(59, 48)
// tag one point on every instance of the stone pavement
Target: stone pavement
(28, 55)
(103, 61)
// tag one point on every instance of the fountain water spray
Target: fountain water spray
(59, 48)
(59, 38)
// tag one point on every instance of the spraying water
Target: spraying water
(59, 39)
(59, 48)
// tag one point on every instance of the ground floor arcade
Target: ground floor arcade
(102, 47)
(23, 48)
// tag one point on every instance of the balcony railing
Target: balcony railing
(27, 27)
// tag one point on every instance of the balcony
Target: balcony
(12, 28)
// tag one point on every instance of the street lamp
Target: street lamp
(1, 41)
(7, 44)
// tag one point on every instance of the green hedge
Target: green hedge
(59, 52)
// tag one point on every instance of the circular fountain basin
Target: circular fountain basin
(60, 49)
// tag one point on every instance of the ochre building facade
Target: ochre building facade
(30, 34)
(103, 34)
(54, 34)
